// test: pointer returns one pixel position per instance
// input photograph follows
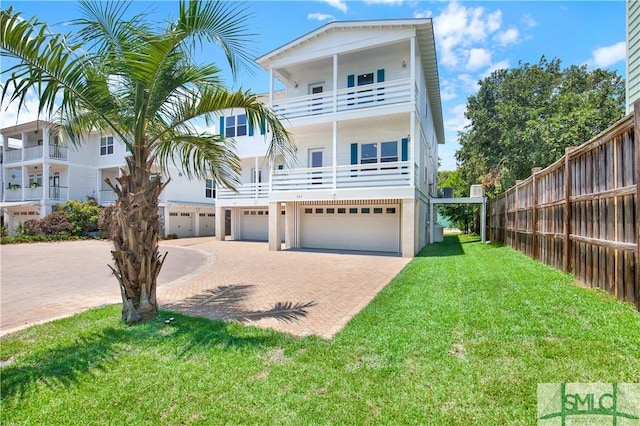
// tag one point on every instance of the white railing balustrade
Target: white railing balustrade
(33, 152)
(349, 99)
(107, 196)
(59, 193)
(13, 156)
(13, 194)
(376, 175)
(36, 193)
(247, 190)
(58, 152)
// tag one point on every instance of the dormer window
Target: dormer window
(236, 125)
(106, 145)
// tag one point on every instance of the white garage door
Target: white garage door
(371, 228)
(254, 225)
(181, 224)
(207, 224)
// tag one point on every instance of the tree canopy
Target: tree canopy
(525, 117)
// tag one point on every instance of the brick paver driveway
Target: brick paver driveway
(299, 292)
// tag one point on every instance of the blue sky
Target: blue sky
(473, 38)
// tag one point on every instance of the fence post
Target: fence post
(517, 219)
(567, 210)
(534, 212)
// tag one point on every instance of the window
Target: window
(388, 152)
(377, 210)
(368, 153)
(236, 125)
(353, 210)
(365, 210)
(106, 145)
(319, 211)
(308, 211)
(330, 211)
(385, 152)
(209, 188)
(35, 180)
(365, 79)
(342, 210)
(391, 210)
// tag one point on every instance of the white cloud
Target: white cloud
(423, 14)
(529, 21)
(456, 121)
(507, 37)
(28, 112)
(321, 17)
(504, 64)
(448, 90)
(469, 82)
(608, 55)
(341, 5)
(459, 26)
(478, 58)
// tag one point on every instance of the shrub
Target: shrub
(33, 227)
(56, 223)
(83, 215)
(105, 221)
(172, 237)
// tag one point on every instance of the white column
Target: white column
(407, 228)
(412, 148)
(24, 137)
(270, 87)
(45, 143)
(275, 232)
(335, 154)
(25, 181)
(432, 220)
(335, 83)
(290, 216)
(412, 70)
(196, 231)
(220, 228)
(483, 220)
(45, 180)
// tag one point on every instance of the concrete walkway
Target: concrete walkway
(298, 292)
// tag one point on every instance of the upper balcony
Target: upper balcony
(56, 152)
(381, 94)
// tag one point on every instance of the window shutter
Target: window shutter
(222, 125)
(351, 80)
(405, 149)
(263, 126)
(354, 153)
(250, 128)
(380, 76)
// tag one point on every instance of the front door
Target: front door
(315, 161)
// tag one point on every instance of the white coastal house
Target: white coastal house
(39, 171)
(362, 100)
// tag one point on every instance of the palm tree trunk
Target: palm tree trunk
(135, 238)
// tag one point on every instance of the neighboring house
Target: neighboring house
(40, 171)
(362, 100)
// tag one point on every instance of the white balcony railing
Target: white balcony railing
(59, 193)
(377, 175)
(108, 196)
(13, 156)
(247, 190)
(349, 99)
(56, 193)
(56, 152)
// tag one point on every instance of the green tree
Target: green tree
(144, 83)
(525, 117)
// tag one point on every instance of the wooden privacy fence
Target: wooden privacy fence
(580, 214)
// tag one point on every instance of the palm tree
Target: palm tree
(141, 82)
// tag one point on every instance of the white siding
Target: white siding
(633, 53)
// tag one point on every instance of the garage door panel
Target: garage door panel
(254, 225)
(181, 224)
(207, 224)
(371, 228)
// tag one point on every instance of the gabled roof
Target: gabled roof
(425, 44)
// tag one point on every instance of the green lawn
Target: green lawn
(462, 335)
